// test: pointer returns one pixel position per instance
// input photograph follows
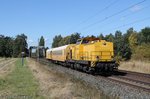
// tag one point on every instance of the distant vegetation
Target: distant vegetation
(132, 44)
(59, 40)
(42, 41)
(12, 47)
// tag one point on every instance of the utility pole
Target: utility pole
(22, 53)
(38, 50)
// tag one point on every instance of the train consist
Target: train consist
(88, 54)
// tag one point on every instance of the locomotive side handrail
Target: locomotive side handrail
(86, 56)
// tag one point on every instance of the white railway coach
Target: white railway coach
(58, 54)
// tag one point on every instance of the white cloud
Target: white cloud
(136, 8)
(30, 41)
(46, 39)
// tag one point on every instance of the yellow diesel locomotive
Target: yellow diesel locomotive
(88, 54)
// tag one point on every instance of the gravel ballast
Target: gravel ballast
(108, 87)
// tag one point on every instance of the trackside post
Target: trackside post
(22, 60)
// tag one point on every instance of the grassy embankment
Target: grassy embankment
(58, 84)
(140, 59)
(19, 83)
(136, 66)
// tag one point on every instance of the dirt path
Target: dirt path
(55, 85)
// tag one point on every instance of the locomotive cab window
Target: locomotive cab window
(85, 41)
(78, 41)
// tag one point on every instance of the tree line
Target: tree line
(12, 47)
(58, 40)
(131, 44)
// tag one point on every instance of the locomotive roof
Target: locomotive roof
(49, 50)
(91, 38)
(59, 48)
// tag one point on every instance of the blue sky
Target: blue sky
(52, 17)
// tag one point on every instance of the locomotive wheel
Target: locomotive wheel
(91, 70)
(72, 66)
(85, 69)
(75, 66)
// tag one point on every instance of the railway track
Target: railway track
(145, 86)
(133, 79)
(135, 73)
(3, 59)
(6, 63)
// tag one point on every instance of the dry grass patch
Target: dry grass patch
(55, 85)
(19, 83)
(137, 66)
(52, 85)
(6, 68)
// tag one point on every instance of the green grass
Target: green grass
(20, 83)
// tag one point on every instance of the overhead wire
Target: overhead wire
(127, 15)
(97, 13)
(136, 11)
(137, 21)
(114, 14)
